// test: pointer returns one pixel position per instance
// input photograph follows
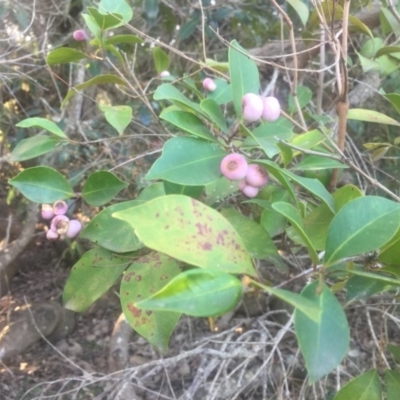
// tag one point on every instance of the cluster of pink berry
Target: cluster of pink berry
(256, 107)
(252, 177)
(60, 226)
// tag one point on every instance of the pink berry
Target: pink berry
(74, 228)
(252, 107)
(256, 176)
(272, 109)
(60, 207)
(47, 211)
(250, 191)
(234, 167)
(51, 235)
(60, 224)
(209, 84)
(164, 74)
(79, 35)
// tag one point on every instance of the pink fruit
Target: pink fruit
(272, 109)
(256, 176)
(51, 235)
(209, 84)
(252, 107)
(164, 74)
(60, 224)
(250, 191)
(60, 207)
(47, 211)
(79, 35)
(234, 167)
(74, 228)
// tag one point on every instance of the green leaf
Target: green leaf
(168, 92)
(191, 191)
(244, 75)
(392, 379)
(308, 140)
(161, 59)
(101, 187)
(97, 80)
(112, 233)
(222, 94)
(304, 95)
(33, 147)
(255, 238)
(188, 122)
(289, 212)
(120, 7)
(64, 55)
(394, 350)
(361, 287)
(364, 387)
(94, 27)
(345, 195)
(219, 190)
(119, 117)
(42, 123)
(212, 109)
(394, 99)
(42, 185)
(363, 225)
(189, 231)
(323, 344)
(188, 161)
(301, 9)
(143, 278)
(312, 163)
(104, 21)
(316, 225)
(390, 252)
(91, 277)
(152, 191)
(360, 114)
(378, 276)
(197, 292)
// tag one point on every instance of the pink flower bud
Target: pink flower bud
(256, 176)
(234, 167)
(272, 109)
(250, 191)
(60, 207)
(79, 35)
(51, 235)
(252, 107)
(209, 84)
(59, 224)
(74, 228)
(47, 211)
(164, 74)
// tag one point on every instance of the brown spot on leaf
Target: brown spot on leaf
(149, 312)
(138, 278)
(206, 246)
(166, 227)
(128, 276)
(136, 312)
(163, 277)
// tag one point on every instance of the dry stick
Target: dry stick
(342, 106)
(295, 64)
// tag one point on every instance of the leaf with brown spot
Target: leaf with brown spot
(155, 271)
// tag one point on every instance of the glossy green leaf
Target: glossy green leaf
(360, 114)
(146, 276)
(97, 80)
(394, 350)
(345, 195)
(101, 187)
(307, 140)
(301, 9)
(364, 387)
(188, 230)
(197, 292)
(256, 240)
(394, 99)
(323, 344)
(122, 239)
(44, 123)
(222, 94)
(188, 161)
(188, 122)
(392, 379)
(161, 59)
(363, 225)
(219, 190)
(119, 117)
(361, 287)
(91, 277)
(33, 147)
(168, 92)
(120, 7)
(42, 185)
(244, 75)
(212, 109)
(191, 191)
(103, 20)
(378, 276)
(267, 136)
(388, 21)
(64, 55)
(312, 163)
(289, 212)
(152, 191)
(94, 27)
(390, 252)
